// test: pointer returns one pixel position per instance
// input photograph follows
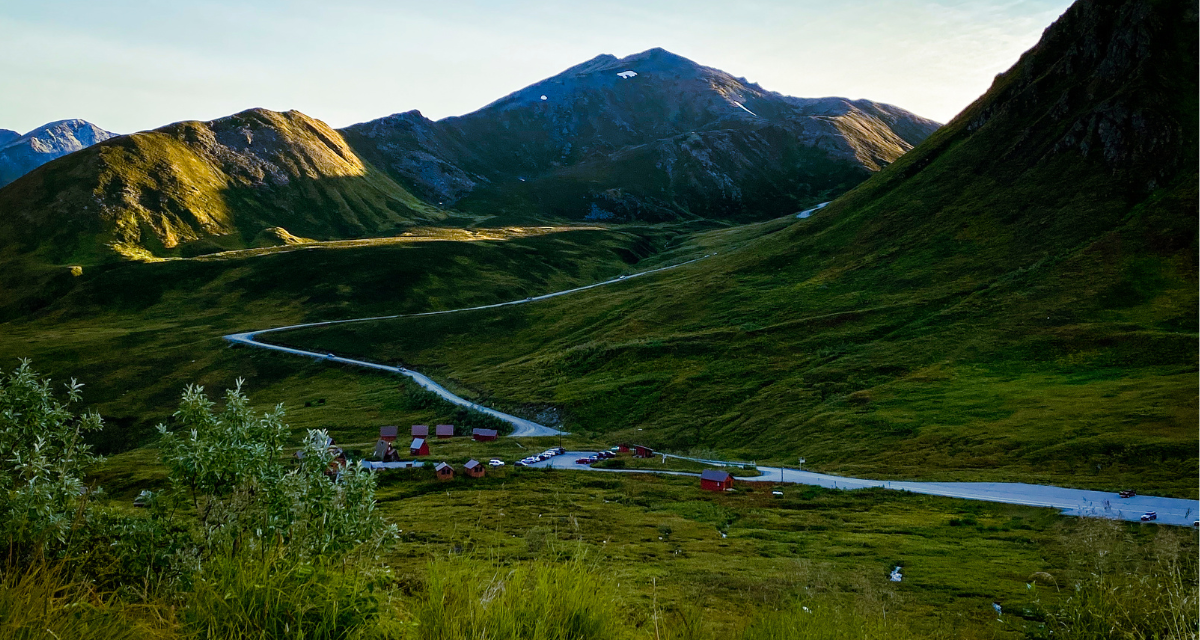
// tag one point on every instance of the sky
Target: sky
(129, 65)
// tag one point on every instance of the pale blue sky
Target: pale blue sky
(127, 65)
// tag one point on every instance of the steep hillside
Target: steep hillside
(21, 154)
(198, 187)
(1015, 299)
(650, 136)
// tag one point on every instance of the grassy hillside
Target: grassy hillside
(137, 333)
(197, 187)
(1013, 300)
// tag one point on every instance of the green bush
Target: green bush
(42, 496)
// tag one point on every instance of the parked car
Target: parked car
(496, 463)
(583, 461)
(1127, 493)
(520, 463)
(558, 451)
(1149, 515)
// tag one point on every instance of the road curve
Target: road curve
(522, 428)
(1071, 502)
(1076, 502)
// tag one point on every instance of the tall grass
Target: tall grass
(538, 600)
(1129, 591)
(274, 596)
(825, 621)
(43, 601)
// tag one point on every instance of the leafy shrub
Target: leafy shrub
(42, 495)
(229, 468)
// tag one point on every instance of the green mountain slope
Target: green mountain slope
(197, 187)
(1015, 299)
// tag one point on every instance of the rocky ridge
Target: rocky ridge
(665, 135)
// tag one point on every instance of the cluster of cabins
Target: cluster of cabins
(710, 479)
(385, 448)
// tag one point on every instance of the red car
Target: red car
(584, 461)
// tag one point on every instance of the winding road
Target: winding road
(1077, 502)
(522, 428)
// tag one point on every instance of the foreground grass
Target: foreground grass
(526, 544)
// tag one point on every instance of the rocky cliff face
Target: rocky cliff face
(658, 132)
(21, 154)
(1108, 75)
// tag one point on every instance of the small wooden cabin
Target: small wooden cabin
(623, 448)
(420, 431)
(419, 447)
(473, 469)
(484, 435)
(444, 471)
(389, 433)
(445, 431)
(714, 480)
(642, 452)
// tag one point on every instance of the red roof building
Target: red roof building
(473, 469)
(642, 452)
(484, 435)
(389, 433)
(420, 431)
(445, 431)
(713, 480)
(444, 471)
(419, 447)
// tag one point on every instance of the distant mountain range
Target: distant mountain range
(20, 154)
(650, 137)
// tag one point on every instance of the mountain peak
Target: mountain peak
(23, 154)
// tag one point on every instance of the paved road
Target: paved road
(808, 212)
(1072, 502)
(1069, 501)
(522, 428)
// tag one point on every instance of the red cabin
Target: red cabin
(642, 452)
(713, 480)
(389, 433)
(484, 435)
(420, 431)
(623, 448)
(445, 431)
(419, 447)
(444, 471)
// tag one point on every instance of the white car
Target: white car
(496, 463)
